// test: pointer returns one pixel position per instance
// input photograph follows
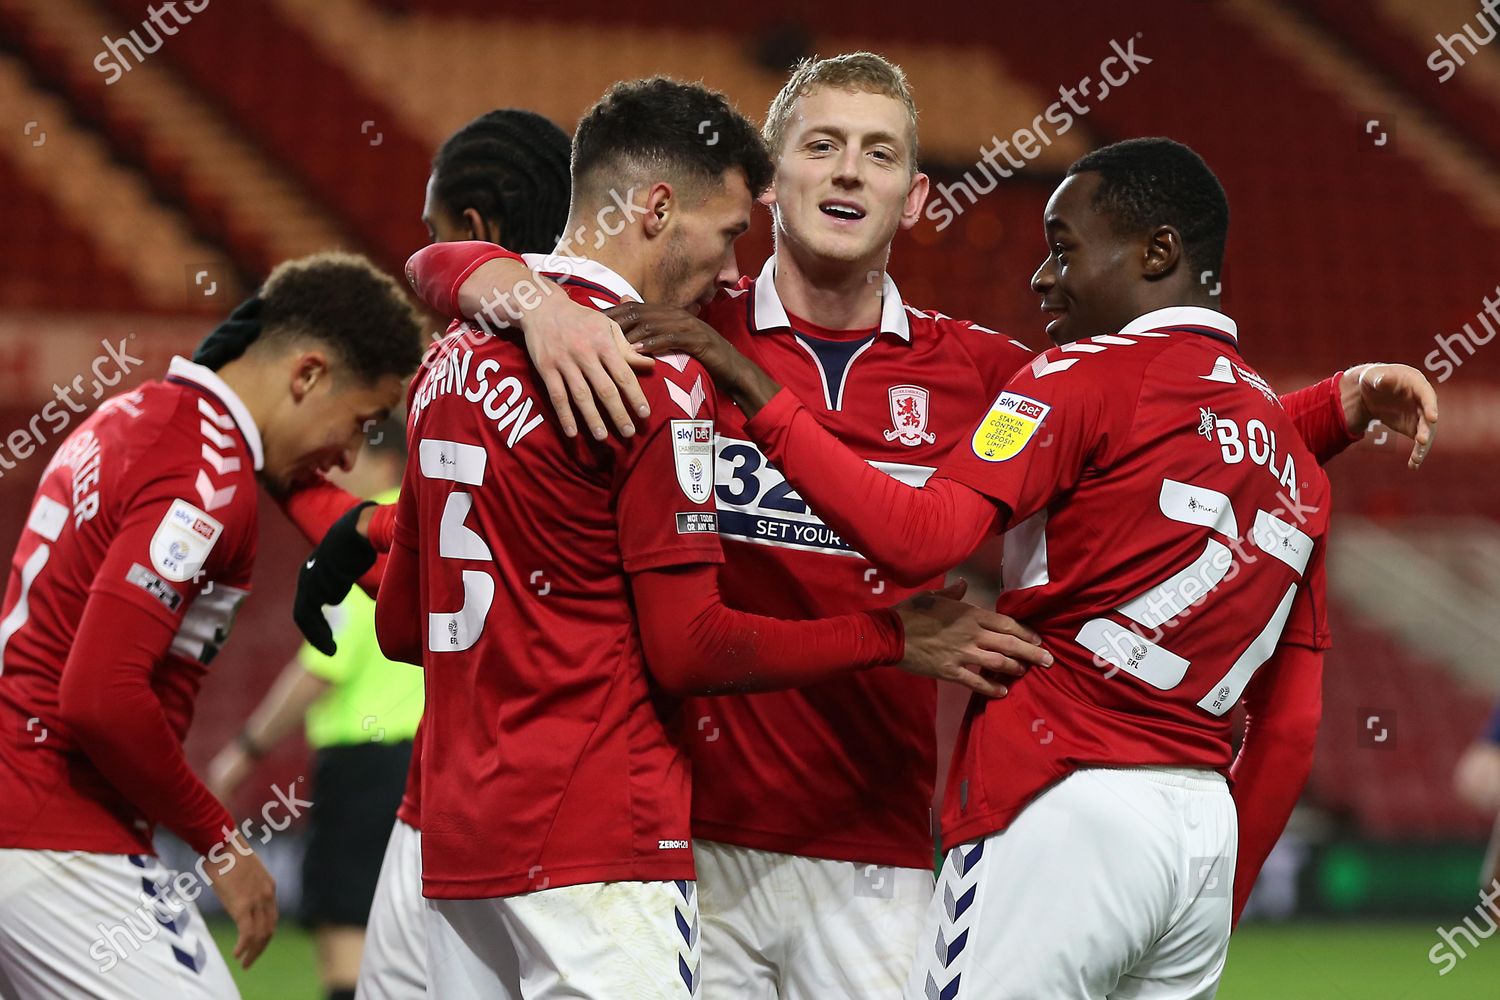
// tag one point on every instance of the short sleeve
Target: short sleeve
(1036, 439)
(664, 480)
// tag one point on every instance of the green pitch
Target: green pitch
(1311, 961)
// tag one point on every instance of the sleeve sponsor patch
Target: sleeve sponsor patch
(154, 585)
(1009, 426)
(697, 523)
(183, 541)
(693, 456)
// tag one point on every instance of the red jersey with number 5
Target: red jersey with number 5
(549, 758)
(1165, 519)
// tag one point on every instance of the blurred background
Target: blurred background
(147, 187)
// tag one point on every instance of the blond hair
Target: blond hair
(860, 72)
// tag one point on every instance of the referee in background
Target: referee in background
(361, 712)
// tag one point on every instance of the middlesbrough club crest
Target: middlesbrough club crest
(909, 416)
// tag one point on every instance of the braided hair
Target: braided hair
(511, 166)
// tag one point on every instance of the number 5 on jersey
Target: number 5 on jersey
(455, 631)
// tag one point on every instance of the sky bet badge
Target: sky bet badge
(1011, 422)
(693, 450)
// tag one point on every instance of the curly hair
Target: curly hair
(344, 301)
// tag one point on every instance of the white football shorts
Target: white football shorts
(394, 963)
(1114, 884)
(787, 927)
(78, 924)
(598, 941)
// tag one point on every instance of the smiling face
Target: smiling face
(844, 182)
(319, 425)
(1092, 280)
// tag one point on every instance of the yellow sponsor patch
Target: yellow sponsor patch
(1009, 427)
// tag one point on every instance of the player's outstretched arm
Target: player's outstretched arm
(1283, 706)
(912, 533)
(317, 507)
(696, 645)
(341, 558)
(579, 352)
(1334, 413)
(1399, 397)
(659, 329)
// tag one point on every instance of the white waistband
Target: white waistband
(1177, 777)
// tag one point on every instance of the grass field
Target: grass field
(1307, 961)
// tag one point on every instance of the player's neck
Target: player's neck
(832, 294)
(249, 382)
(608, 249)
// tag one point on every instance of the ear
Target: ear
(480, 228)
(768, 196)
(661, 203)
(1162, 254)
(916, 197)
(311, 368)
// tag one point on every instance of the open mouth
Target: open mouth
(842, 210)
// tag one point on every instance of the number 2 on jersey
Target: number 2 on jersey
(455, 631)
(1158, 666)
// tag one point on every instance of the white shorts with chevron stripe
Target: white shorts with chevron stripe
(1114, 884)
(78, 924)
(600, 941)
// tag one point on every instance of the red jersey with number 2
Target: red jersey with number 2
(1165, 516)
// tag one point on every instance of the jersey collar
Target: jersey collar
(767, 312)
(1190, 319)
(183, 370)
(581, 270)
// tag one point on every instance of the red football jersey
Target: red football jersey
(549, 757)
(843, 769)
(152, 499)
(1166, 522)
